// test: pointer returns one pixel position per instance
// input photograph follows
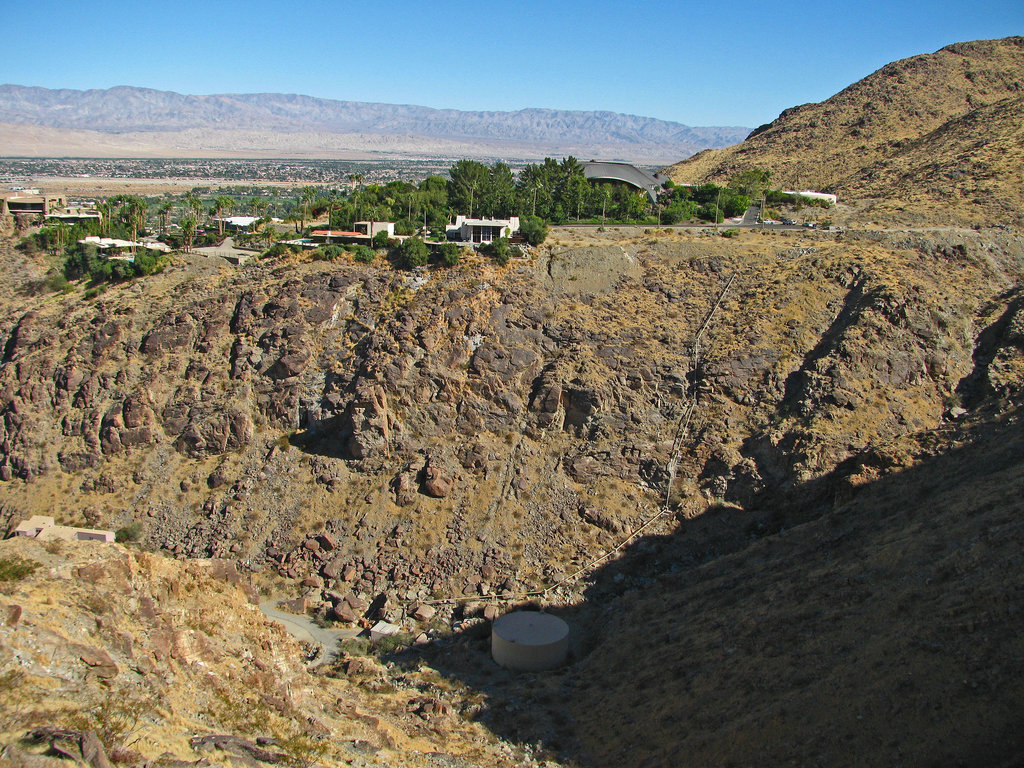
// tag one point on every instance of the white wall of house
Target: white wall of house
(482, 230)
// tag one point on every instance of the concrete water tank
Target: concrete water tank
(529, 641)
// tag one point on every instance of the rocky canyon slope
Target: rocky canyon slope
(374, 440)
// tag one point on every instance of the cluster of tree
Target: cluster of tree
(550, 191)
(704, 202)
(86, 260)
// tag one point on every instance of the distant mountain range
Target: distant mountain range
(272, 123)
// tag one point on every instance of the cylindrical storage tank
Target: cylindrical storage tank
(529, 641)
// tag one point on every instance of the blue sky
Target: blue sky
(707, 63)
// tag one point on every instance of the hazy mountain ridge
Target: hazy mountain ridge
(126, 109)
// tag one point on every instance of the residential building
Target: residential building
(29, 202)
(43, 529)
(361, 231)
(482, 230)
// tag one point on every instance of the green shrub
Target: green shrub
(710, 212)
(730, 233)
(391, 643)
(533, 229)
(498, 250)
(449, 254)
(55, 281)
(364, 254)
(130, 532)
(413, 253)
(381, 241)
(276, 250)
(16, 568)
(330, 252)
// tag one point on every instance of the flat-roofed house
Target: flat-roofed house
(42, 528)
(21, 202)
(362, 231)
(482, 230)
(32, 526)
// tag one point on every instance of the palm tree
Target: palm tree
(266, 226)
(132, 213)
(293, 218)
(106, 211)
(164, 213)
(60, 231)
(192, 203)
(188, 230)
(259, 206)
(308, 195)
(221, 204)
(138, 208)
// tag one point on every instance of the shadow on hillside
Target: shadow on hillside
(854, 304)
(712, 569)
(976, 385)
(322, 441)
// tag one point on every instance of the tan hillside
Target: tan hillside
(967, 171)
(884, 632)
(169, 661)
(830, 145)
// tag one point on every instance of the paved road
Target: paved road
(306, 631)
(701, 225)
(751, 215)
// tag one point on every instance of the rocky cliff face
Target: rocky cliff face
(515, 420)
(371, 440)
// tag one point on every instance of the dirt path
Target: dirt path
(306, 631)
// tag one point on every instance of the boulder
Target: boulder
(424, 612)
(342, 612)
(369, 422)
(438, 477)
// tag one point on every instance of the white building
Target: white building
(830, 199)
(373, 228)
(482, 230)
(43, 528)
(113, 248)
(362, 231)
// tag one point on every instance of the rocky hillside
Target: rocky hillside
(112, 656)
(516, 419)
(374, 441)
(933, 134)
